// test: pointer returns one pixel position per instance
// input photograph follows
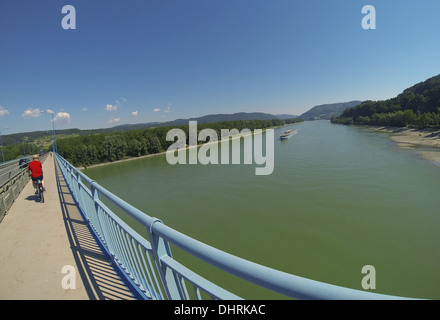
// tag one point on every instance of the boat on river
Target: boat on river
(288, 134)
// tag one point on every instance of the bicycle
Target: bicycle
(40, 189)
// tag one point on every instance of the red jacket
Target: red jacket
(35, 168)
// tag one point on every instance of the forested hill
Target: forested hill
(417, 106)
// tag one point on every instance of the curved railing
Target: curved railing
(150, 268)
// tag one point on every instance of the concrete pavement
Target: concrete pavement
(47, 251)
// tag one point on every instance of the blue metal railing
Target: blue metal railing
(150, 268)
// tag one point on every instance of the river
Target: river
(339, 198)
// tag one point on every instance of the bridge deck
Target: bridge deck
(37, 240)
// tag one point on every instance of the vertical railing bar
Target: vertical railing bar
(155, 274)
(93, 221)
(76, 186)
(119, 255)
(132, 258)
(104, 222)
(145, 272)
(100, 212)
(131, 264)
(197, 292)
(137, 265)
(116, 249)
(81, 200)
(123, 255)
(112, 238)
(152, 274)
(96, 201)
(183, 285)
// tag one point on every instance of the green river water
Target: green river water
(339, 198)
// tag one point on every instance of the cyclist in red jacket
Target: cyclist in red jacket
(35, 168)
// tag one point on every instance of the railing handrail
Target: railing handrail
(286, 284)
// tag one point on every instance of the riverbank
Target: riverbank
(122, 160)
(251, 133)
(426, 143)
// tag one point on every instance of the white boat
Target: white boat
(288, 134)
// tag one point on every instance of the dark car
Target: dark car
(24, 162)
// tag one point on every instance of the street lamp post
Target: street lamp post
(54, 147)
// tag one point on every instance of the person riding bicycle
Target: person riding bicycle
(35, 168)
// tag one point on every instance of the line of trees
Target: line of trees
(12, 152)
(418, 107)
(93, 149)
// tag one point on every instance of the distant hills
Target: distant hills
(43, 137)
(212, 118)
(327, 111)
(286, 116)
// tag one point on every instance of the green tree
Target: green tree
(114, 148)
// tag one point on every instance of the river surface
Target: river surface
(339, 198)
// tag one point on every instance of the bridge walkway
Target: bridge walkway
(41, 242)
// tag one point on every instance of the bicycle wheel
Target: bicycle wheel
(41, 193)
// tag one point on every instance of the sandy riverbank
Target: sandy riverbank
(425, 143)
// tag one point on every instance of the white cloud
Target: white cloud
(84, 109)
(3, 111)
(110, 107)
(167, 110)
(114, 120)
(32, 113)
(121, 101)
(135, 113)
(118, 103)
(49, 111)
(62, 117)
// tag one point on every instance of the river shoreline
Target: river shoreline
(119, 161)
(251, 133)
(426, 143)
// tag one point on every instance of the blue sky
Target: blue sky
(138, 61)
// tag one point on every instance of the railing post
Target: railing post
(96, 219)
(160, 248)
(79, 198)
